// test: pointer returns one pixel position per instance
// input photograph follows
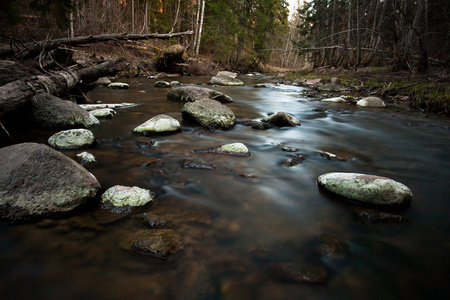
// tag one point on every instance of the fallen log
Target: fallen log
(33, 49)
(16, 94)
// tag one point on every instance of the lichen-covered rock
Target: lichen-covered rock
(226, 78)
(370, 189)
(371, 102)
(52, 112)
(72, 139)
(159, 124)
(156, 242)
(86, 158)
(209, 113)
(103, 113)
(118, 85)
(90, 107)
(193, 93)
(282, 119)
(123, 199)
(37, 181)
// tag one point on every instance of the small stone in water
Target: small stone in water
(298, 272)
(192, 164)
(152, 220)
(289, 149)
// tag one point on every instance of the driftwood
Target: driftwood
(16, 94)
(34, 48)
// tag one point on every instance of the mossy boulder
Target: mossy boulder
(125, 199)
(37, 181)
(193, 93)
(209, 113)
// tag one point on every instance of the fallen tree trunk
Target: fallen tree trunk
(16, 94)
(33, 49)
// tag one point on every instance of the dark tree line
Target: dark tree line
(404, 34)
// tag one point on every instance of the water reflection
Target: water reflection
(249, 212)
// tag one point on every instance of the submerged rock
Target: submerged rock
(331, 156)
(226, 78)
(371, 102)
(123, 199)
(159, 124)
(371, 216)
(332, 247)
(156, 242)
(52, 112)
(32, 184)
(86, 158)
(103, 113)
(192, 164)
(282, 119)
(258, 125)
(72, 139)
(153, 220)
(193, 93)
(209, 113)
(298, 272)
(365, 188)
(293, 160)
(118, 85)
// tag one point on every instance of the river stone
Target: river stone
(365, 188)
(86, 158)
(282, 119)
(159, 123)
(103, 81)
(234, 148)
(157, 242)
(118, 85)
(193, 93)
(371, 102)
(334, 100)
(103, 113)
(52, 112)
(124, 199)
(72, 139)
(226, 78)
(37, 181)
(162, 84)
(90, 107)
(209, 113)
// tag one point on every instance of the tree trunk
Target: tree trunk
(16, 94)
(31, 49)
(200, 28)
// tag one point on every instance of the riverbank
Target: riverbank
(427, 92)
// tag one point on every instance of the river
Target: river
(249, 213)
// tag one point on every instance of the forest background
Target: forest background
(411, 36)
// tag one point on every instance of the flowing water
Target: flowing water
(249, 213)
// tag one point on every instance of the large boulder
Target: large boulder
(72, 139)
(369, 189)
(226, 78)
(282, 119)
(37, 181)
(52, 112)
(125, 199)
(193, 93)
(371, 102)
(159, 124)
(209, 113)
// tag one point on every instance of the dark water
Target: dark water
(249, 213)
